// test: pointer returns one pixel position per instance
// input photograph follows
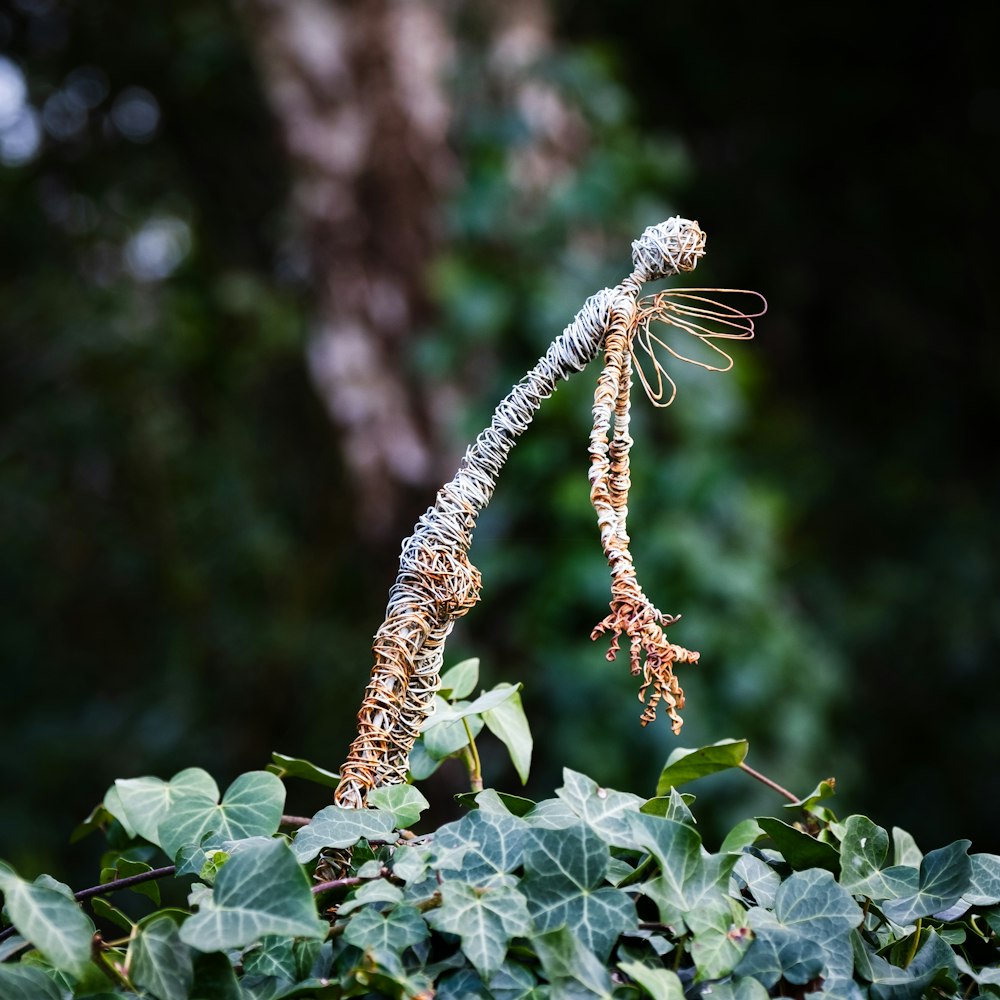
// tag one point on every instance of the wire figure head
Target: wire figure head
(668, 248)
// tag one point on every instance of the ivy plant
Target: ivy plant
(590, 893)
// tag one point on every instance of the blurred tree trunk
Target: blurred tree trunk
(357, 91)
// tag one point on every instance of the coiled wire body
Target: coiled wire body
(437, 584)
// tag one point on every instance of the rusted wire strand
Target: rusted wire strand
(437, 584)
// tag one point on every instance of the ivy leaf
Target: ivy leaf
(904, 848)
(565, 958)
(295, 767)
(935, 962)
(158, 960)
(386, 932)
(421, 764)
(800, 850)
(945, 876)
(485, 920)
(444, 732)
(50, 919)
(404, 802)
(140, 803)
(811, 802)
(684, 765)
(215, 978)
(517, 805)
(673, 805)
(512, 981)
(552, 814)
(490, 843)
(251, 807)
(742, 835)
(779, 952)
(606, 811)
(813, 917)
(660, 984)
(721, 936)
(863, 870)
(756, 877)
(27, 982)
(337, 826)
(461, 680)
(741, 988)
(984, 887)
(282, 958)
(510, 725)
(688, 875)
(563, 869)
(261, 890)
(378, 891)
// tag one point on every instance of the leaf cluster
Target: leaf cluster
(591, 893)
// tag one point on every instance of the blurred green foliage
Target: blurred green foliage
(182, 583)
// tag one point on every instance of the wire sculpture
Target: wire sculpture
(437, 584)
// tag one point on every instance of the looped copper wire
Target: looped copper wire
(691, 311)
(437, 584)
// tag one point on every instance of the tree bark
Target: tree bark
(356, 88)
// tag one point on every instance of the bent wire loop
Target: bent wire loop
(437, 584)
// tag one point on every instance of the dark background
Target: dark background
(186, 575)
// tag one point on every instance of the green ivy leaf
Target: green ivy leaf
(673, 805)
(689, 877)
(337, 827)
(50, 919)
(863, 869)
(757, 878)
(904, 848)
(660, 984)
(512, 981)
(742, 835)
(26, 982)
(261, 890)
(104, 910)
(565, 959)
(490, 845)
(552, 814)
(251, 807)
(813, 917)
(386, 932)
(158, 960)
(140, 803)
(742, 988)
(721, 936)
(684, 765)
(125, 868)
(215, 978)
(295, 767)
(516, 805)
(563, 870)
(510, 725)
(444, 733)
(485, 920)
(404, 802)
(604, 810)
(421, 764)
(945, 876)
(811, 802)
(461, 680)
(933, 963)
(800, 850)
(378, 891)
(282, 958)
(984, 884)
